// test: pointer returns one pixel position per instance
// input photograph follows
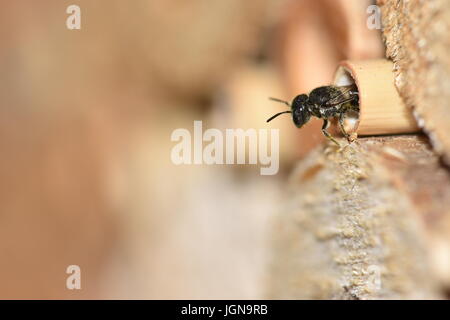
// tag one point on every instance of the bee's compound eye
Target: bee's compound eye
(301, 115)
(300, 111)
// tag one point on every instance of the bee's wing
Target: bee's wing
(340, 102)
(340, 97)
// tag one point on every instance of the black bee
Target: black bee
(324, 103)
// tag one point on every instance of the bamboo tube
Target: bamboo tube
(382, 111)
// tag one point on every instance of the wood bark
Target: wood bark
(416, 35)
(365, 222)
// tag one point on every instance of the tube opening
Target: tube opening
(344, 77)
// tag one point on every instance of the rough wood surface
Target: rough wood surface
(417, 38)
(363, 223)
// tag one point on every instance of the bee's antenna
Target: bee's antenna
(276, 115)
(279, 100)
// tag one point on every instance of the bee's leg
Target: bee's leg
(325, 132)
(341, 126)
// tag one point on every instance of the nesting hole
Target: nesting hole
(344, 78)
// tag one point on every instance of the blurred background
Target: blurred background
(85, 123)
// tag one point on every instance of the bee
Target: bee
(325, 103)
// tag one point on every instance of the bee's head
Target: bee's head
(300, 110)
